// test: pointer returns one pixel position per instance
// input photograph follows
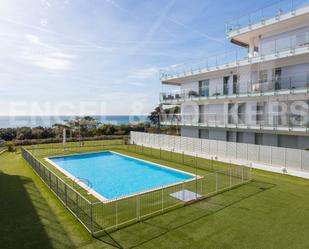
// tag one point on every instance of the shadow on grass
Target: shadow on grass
(26, 221)
(153, 228)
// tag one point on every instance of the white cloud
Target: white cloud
(52, 63)
(34, 40)
(63, 55)
(144, 73)
(46, 3)
(47, 57)
(43, 22)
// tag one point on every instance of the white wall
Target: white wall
(244, 78)
(203, 113)
(295, 161)
(251, 113)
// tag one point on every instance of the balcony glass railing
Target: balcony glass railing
(207, 63)
(273, 120)
(264, 14)
(284, 85)
(281, 46)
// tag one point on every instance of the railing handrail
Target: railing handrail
(202, 63)
(268, 118)
(258, 81)
(242, 87)
(230, 114)
(261, 11)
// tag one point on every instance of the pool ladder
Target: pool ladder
(85, 181)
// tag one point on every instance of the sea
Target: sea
(48, 121)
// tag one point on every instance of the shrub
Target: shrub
(11, 147)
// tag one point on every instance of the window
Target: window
(263, 76)
(235, 83)
(226, 85)
(203, 86)
(278, 73)
(258, 138)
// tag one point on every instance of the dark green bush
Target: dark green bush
(10, 146)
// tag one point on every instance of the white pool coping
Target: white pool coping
(101, 197)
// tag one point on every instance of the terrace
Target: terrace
(295, 84)
(266, 121)
(274, 13)
(283, 47)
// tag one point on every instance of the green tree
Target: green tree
(154, 116)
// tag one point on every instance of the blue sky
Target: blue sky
(102, 56)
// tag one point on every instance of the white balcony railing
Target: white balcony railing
(297, 43)
(239, 120)
(281, 85)
(264, 14)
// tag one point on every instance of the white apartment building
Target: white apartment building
(257, 94)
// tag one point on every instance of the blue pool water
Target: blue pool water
(113, 175)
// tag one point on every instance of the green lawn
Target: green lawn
(269, 212)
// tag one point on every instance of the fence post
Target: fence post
(76, 199)
(91, 218)
(57, 187)
(49, 178)
(183, 190)
(66, 194)
(138, 207)
(195, 180)
(116, 214)
(160, 153)
(162, 200)
(183, 158)
(230, 173)
(242, 174)
(216, 181)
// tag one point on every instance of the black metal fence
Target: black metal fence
(97, 216)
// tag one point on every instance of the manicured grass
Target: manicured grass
(132, 209)
(269, 212)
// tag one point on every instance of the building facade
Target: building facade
(257, 94)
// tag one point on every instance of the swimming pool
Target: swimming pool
(113, 175)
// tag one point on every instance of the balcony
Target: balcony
(271, 14)
(296, 44)
(266, 121)
(296, 84)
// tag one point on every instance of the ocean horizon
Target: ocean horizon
(48, 121)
